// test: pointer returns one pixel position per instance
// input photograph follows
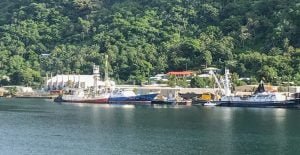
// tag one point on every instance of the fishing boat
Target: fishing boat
(260, 98)
(98, 94)
(129, 96)
(79, 96)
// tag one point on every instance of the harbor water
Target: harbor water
(44, 127)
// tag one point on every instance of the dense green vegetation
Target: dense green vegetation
(257, 38)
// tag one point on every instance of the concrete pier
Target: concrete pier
(166, 91)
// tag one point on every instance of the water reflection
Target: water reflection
(146, 129)
(122, 106)
(226, 120)
(158, 106)
(125, 106)
(281, 138)
(280, 115)
(261, 128)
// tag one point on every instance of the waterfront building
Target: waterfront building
(293, 89)
(158, 77)
(62, 81)
(181, 74)
(211, 69)
(72, 81)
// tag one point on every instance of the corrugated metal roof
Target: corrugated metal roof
(180, 73)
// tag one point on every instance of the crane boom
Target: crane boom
(217, 81)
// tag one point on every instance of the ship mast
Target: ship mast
(227, 83)
(96, 78)
(217, 81)
(106, 68)
(106, 78)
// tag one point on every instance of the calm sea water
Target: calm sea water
(44, 127)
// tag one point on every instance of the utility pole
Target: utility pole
(185, 66)
(106, 68)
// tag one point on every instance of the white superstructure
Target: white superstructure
(259, 96)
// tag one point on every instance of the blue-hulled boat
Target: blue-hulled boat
(128, 96)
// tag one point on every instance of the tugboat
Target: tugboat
(260, 98)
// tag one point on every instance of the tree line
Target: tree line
(257, 39)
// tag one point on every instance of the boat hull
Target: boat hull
(86, 100)
(137, 98)
(162, 102)
(275, 104)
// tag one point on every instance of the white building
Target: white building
(158, 77)
(294, 89)
(73, 81)
(59, 82)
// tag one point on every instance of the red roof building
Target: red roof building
(181, 74)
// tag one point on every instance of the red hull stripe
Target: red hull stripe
(88, 101)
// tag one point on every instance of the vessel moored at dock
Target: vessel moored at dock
(260, 98)
(98, 94)
(78, 96)
(128, 96)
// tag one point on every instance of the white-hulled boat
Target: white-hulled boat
(210, 104)
(260, 98)
(78, 96)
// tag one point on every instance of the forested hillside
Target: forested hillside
(259, 38)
